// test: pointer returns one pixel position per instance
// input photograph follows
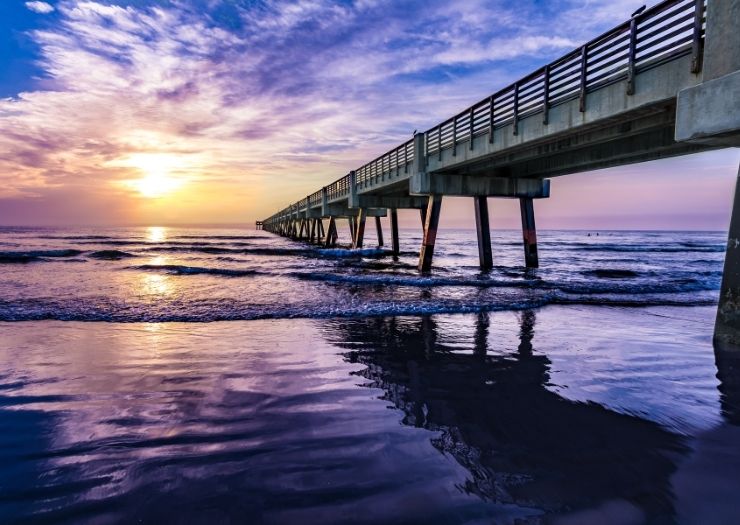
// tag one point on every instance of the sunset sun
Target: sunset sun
(161, 173)
(155, 185)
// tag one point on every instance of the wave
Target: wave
(110, 255)
(644, 249)
(230, 310)
(222, 237)
(611, 273)
(35, 255)
(411, 280)
(176, 269)
(623, 283)
(77, 237)
(325, 253)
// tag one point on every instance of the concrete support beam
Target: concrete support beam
(385, 201)
(430, 232)
(379, 231)
(479, 185)
(359, 233)
(727, 325)
(394, 231)
(341, 210)
(483, 230)
(529, 233)
(708, 113)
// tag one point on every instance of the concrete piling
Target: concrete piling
(359, 233)
(394, 231)
(483, 230)
(430, 232)
(727, 324)
(379, 230)
(331, 233)
(529, 232)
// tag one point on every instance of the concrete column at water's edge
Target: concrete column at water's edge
(727, 326)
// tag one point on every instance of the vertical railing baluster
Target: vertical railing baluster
(546, 96)
(472, 127)
(439, 141)
(491, 123)
(584, 74)
(406, 155)
(454, 136)
(697, 47)
(516, 108)
(631, 50)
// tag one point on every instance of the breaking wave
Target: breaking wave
(176, 269)
(35, 255)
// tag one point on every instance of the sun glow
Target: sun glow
(156, 185)
(162, 173)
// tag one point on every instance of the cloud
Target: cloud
(255, 96)
(40, 7)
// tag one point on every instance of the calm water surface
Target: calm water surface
(332, 388)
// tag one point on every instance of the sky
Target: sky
(224, 111)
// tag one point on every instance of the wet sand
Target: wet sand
(564, 414)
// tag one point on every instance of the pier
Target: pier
(662, 84)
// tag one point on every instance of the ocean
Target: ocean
(204, 375)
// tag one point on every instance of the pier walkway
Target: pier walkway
(664, 83)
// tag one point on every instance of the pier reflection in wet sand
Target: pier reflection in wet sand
(506, 417)
(521, 443)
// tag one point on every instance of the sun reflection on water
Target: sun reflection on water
(156, 233)
(153, 284)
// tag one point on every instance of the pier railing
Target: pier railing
(665, 32)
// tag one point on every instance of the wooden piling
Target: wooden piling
(379, 230)
(394, 231)
(484, 232)
(430, 232)
(529, 232)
